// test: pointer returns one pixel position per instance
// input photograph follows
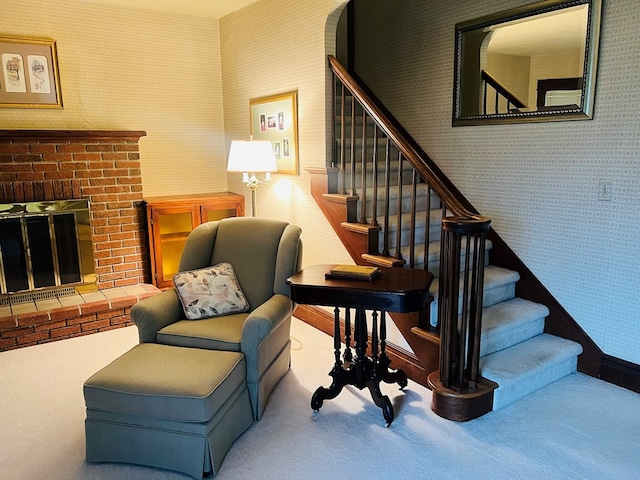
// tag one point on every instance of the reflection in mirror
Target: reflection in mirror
(535, 63)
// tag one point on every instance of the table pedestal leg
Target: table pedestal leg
(321, 394)
(381, 400)
(338, 373)
(361, 371)
(386, 375)
(391, 376)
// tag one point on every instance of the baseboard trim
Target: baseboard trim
(620, 372)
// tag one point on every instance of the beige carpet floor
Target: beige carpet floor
(576, 428)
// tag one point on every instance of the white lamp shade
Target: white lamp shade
(251, 156)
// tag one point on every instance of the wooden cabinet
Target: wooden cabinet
(171, 218)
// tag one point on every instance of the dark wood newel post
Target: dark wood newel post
(460, 318)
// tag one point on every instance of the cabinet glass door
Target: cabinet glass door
(210, 215)
(171, 229)
(230, 206)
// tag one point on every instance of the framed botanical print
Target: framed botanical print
(29, 77)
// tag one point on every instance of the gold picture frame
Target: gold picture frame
(29, 76)
(275, 118)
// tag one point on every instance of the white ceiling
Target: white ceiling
(544, 35)
(198, 8)
(558, 31)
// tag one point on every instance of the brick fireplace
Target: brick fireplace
(104, 168)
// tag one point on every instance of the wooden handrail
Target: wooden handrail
(427, 169)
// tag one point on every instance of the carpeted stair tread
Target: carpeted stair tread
(493, 277)
(499, 285)
(509, 323)
(528, 366)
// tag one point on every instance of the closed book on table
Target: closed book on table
(353, 272)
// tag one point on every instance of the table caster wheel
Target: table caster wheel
(402, 381)
(316, 403)
(387, 411)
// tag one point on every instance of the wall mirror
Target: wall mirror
(531, 64)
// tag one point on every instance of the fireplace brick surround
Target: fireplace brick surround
(103, 167)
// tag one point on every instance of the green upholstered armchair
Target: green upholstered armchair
(263, 253)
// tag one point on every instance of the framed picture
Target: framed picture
(275, 118)
(29, 77)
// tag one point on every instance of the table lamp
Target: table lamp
(251, 157)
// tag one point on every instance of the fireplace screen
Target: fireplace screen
(45, 245)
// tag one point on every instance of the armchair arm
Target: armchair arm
(154, 313)
(264, 320)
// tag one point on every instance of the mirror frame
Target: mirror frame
(582, 112)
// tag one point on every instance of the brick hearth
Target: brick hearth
(103, 167)
(43, 321)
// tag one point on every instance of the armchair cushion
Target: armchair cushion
(221, 333)
(210, 292)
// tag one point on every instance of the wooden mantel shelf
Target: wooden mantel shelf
(69, 134)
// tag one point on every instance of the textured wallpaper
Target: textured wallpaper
(271, 47)
(538, 182)
(124, 69)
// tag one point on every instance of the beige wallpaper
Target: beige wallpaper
(122, 69)
(276, 46)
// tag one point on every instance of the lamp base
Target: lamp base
(253, 200)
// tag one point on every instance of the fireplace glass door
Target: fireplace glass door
(40, 245)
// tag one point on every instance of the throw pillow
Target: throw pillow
(210, 292)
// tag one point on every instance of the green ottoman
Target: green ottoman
(168, 407)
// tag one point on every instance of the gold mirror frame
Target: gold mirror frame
(468, 78)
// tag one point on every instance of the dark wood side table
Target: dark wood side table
(394, 290)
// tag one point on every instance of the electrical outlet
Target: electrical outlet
(604, 190)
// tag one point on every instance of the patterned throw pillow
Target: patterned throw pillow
(210, 292)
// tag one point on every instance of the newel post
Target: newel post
(459, 393)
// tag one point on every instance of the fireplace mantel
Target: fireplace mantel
(21, 135)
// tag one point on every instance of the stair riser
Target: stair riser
(421, 204)
(380, 155)
(393, 164)
(518, 333)
(407, 177)
(347, 130)
(492, 296)
(527, 366)
(381, 143)
(434, 246)
(406, 211)
(434, 236)
(507, 394)
(434, 262)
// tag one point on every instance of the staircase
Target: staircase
(386, 200)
